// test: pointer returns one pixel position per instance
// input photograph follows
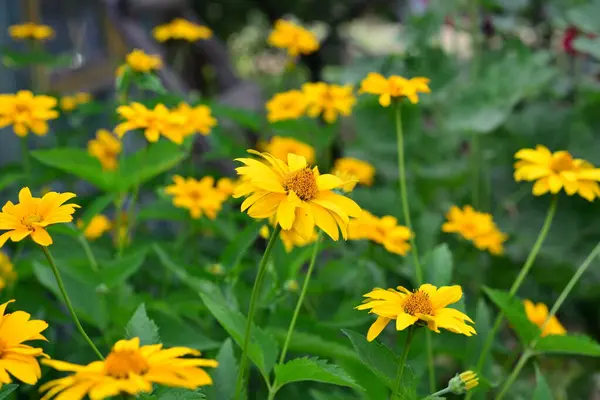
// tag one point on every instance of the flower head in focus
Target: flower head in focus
(359, 169)
(477, 227)
(156, 122)
(26, 111)
(280, 146)
(328, 100)
(31, 30)
(425, 306)
(132, 369)
(139, 61)
(286, 105)
(538, 313)
(17, 358)
(299, 197)
(32, 215)
(7, 271)
(106, 148)
(198, 118)
(98, 225)
(463, 382)
(181, 29)
(384, 231)
(556, 171)
(394, 87)
(293, 38)
(200, 197)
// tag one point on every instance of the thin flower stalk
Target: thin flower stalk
(400, 372)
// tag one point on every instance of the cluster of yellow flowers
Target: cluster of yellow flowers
(175, 124)
(106, 148)
(139, 61)
(181, 29)
(476, 227)
(25, 111)
(71, 102)
(293, 38)
(200, 197)
(7, 271)
(384, 231)
(30, 30)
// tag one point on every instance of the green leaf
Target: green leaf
(542, 390)
(303, 342)
(117, 271)
(149, 81)
(168, 263)
(9, 178)
(313, 369)
(237, 248)
(6, 390)
(95, 208)
(568, 344)
(514, 311)
(439, 265)
(123, 80)
(245, 118)
(588, 46)
(378, 357)
(224, 375)
(263, 348)
(140, 325)
(483, 321)
(162, 210)
(167, 393)
(16, 59)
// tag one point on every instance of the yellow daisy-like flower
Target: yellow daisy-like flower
(298, 197)
(200, 197)
(328, 100)
(30, 30)
(279, 147)
(155, 122)
(129, 368)
(181, 29)
(394, 87)
(32, 215)
(426, 306)
(106, 148)
(98, 225)
(17, 358)
(286, 105)
(139, 61)
(359, 169)
(198, 118)
(538, 313)
(7, 271)
(384, 231)
(292, 37)
(69, 103)
(226, 186)
(476, 227)
(290, 239)
(25, 111)
(556, 171)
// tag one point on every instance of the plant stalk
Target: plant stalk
(400, 372)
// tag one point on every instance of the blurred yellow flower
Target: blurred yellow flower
(394, 87)
(25, 111)
(289, 238)
(353, 167)
(70, 102)
(476, 227)
(181, 29)
(17, 358)
(155, 122)
(7, 271)
(292, 37)
(226, 186)
(106, 148)
(298, 197)
(291, 285)
(384, 231)
(426, 305)
(30, 30)
(132, 369)
(553, 171)
(32, 215)
(198, 118)
(200, 197)
(98, 225)
(286, 105)
(538, 313)
(216, 269)
(279, 147)
(139, 61)
(328, 100)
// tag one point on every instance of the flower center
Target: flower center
(303, 183)
(418, 303)
(120, 364)
(563, 162)
(30, 220)
(22, 108)
(194, 195)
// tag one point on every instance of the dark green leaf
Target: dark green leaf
(303, 342)
(6, 390)
(514, 311)
(167, 393)
(312, 369)
(588, 46)
(168, 263)
(224, 375)
(542, 390)
(439, 265)
(117, 271)
(568, 344)
(237, 248)
(9, 178)
(140, 325)
(162, 210)
(123, 80)
(149, 81)
(17, 59)
(245, 118)
(95, 208)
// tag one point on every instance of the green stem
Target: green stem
(400, 372)
(430, 359)
(511, 379)
(63, 291)
(262, 268)
(88, 252)
(437, 394)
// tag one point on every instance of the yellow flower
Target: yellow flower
(216, 269)
(199, 197)
(426, 305)
(394, 87)
(289, 238)
(69, 103)
(226, 186)
(298, 197)
(292, 37)
(17, 358)
(279, 147)
(181, 29)
(555, 171)
(463, 382)
(83, 97)
(476, 227)
(155, 122)
(142, 62)
(31, 30)
(198, 118)
(350, 179)
(361, 170)
(291, 285)
(286, 105)
(32, 215)
(7, 271)
(384, 231)
(329, 100)
(96, 227)
(132, 369)
(106, 148)
(538, 313)
(24, 111)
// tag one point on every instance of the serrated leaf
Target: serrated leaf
(439, 265)
(514, 311)
(117, 271)
(140, 325)
(167, 393)
(568, 344)
(225, 374)
(542, 390)
(313, 369)
(6, 390)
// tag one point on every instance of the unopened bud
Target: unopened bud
(463, 382)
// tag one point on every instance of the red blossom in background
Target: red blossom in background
(569, 37)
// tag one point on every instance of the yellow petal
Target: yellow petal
(377, 327)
